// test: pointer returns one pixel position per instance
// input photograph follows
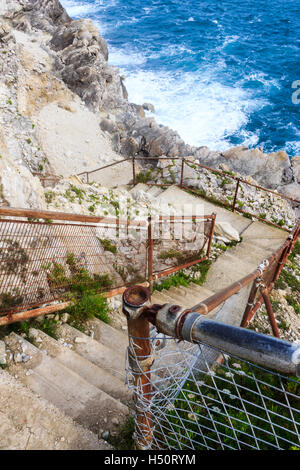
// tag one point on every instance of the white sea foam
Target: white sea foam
(202, 110)
(263, 78)
(120, 58)
(171, 50)
(79, 9)
(292, 148)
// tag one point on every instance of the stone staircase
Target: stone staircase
(69, 392)
(81, 377)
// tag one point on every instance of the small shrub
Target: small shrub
(10, 300)
(197, 274)
(88, 307)
(49, 196)
(144, 177)
(295, 252)
(164, 255)
(293, 302)
(13, 258)
(287, 279)
(108, 245)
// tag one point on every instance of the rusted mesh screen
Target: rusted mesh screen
(41, 262)
(179, 241)
(125, 250)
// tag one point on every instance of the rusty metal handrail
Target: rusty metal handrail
(226, 174)
(87, 173)
(64, 216)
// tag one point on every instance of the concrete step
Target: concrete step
(95, 352)
(29, 422)
(228, 268)
(155, 190)
(200, 290)
(93, 374)
(139, 187)
(167, 297)
(64, 388)
(159, 298)
(197, 205)
(183, 300)
(188, 295)
(264, 236)
(108, 336)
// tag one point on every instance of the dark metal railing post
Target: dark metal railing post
(212, 229)
(236, 193)
(182, 172)
(150, 254)
(140, 358)
(270, 313)
(133, 171)
(250, 304)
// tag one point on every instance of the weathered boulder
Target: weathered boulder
(108, 126)
(270, 170)
(18, 188)
(82, 56)
(291, 190)
(39, 14)
(226, 232)
(157, 140)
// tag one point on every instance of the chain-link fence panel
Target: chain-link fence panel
(180, 241)
(204, 399)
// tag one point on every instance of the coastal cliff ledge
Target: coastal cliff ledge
(65, 110)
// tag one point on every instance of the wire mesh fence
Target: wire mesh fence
(204, 399)
(179, 241)
(44, 261)
(41, 261)
(200, 381)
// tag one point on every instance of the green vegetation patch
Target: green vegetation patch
(294, 303)
(124, 438)
(287, 279)
(144, 177)
(196, 274)
(10, 300)
(108, 245)
(13, 258)
(90, 306)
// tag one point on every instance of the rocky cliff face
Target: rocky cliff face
(64, 109)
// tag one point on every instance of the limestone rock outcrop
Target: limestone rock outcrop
(65, 110)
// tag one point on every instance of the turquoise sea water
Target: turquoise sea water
(219, 72)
